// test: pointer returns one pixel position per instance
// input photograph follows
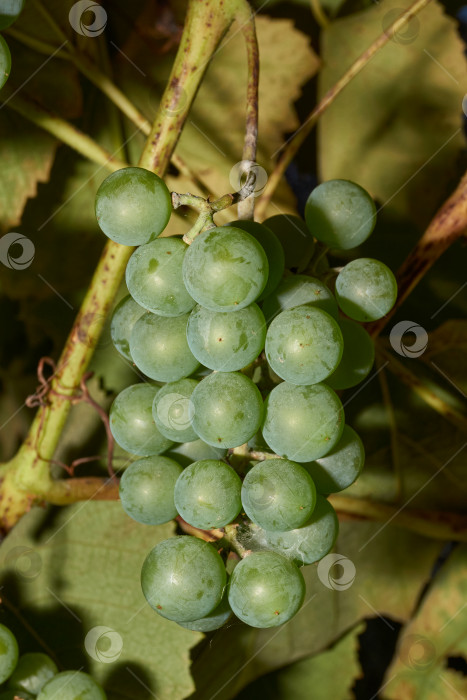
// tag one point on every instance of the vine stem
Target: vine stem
(26, 479)
(291, 147)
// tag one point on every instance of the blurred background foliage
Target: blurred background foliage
(398, 130)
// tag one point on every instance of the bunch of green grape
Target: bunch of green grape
(199, 321)
(35, 676)
(10, 10)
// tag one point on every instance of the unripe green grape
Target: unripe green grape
(5, 62)
(124, 317)
(297, 290)
(8, 653)
(295, 238)
(228, 409)
(72, 685)
(225, 269)
(224, 341)
(340, 213)
(132, 423)
(154, 277)
(172, 410)
(278, 494)
(159, 347)
(216, 619)
(266, 589)
(302, 423)
(366, 289)
(133, 206)
(341, 466)
(272, 247)
(32, 672)
(147, 490)
(183, 578)
(10, 10)
(357, 358)
(207, 494)
(194, 451)
(304, 345)
(311, 542)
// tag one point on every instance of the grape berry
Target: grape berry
(268, 353)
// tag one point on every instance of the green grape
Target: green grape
(266, 589)
(16, 694)
(124, 317)
(357, 358)
(302, 422)
(190, 452)
(10, 10)
(225, 341)
(295, 238)
(147, 490)
(304, 345)
(5, 62)
(366, 289)
(32, 672)
(341, 466)
(340, 213)
(172, 410)
(72, 685)
(311, 542)
(228, 409)
(132, 424)
(278, 495)
(217, 618)
(272, 247)
(159, 347)
(154, 277)
(207, 494)
(297, 290)
(225, 269)
(133, 206)
(8, 653)
(183, 578)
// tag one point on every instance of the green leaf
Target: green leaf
(397, 127)
(438, 631)
(316, 676)
(86, 563)
(376, 552)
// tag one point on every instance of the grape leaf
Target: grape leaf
(86, 562)
(436, 633)
(397, 127)
(376, 553)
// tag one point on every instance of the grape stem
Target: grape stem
(291, 147)
(207, 208)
